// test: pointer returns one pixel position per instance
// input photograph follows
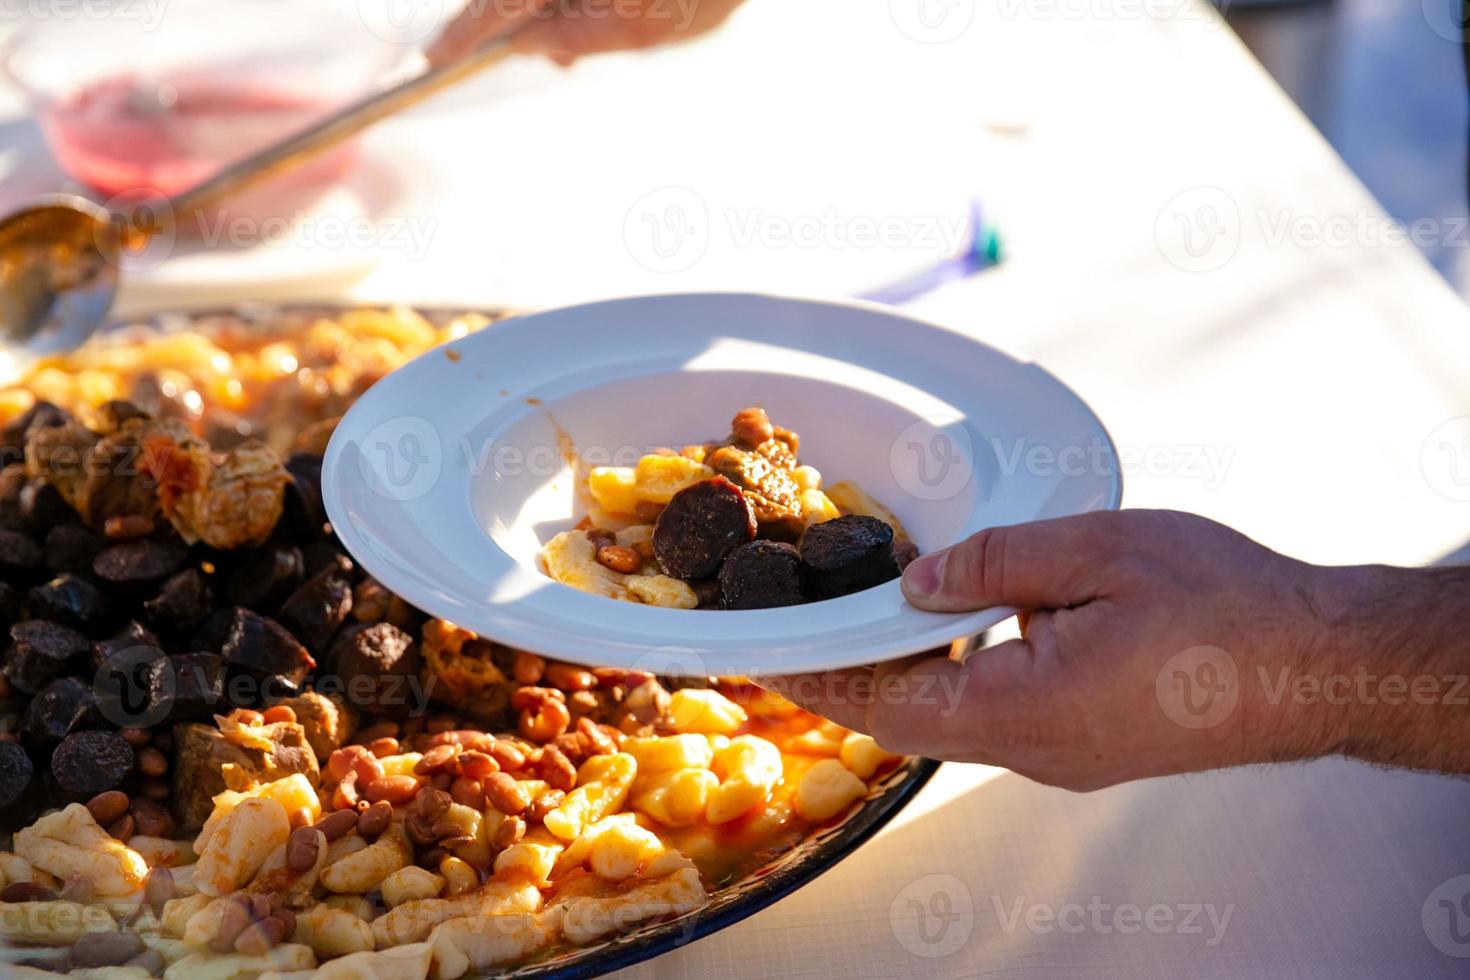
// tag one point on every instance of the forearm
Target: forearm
(1393, 666)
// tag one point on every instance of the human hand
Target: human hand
(565, 30)
(1138, 657)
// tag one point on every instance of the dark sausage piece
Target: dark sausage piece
(42, 652)
(191, 685)
(701, 526)
(761, 575)
(134, 634)
(63, 706)
(19, 555)
(265, 576)
(264, 647)
(72, 548)
(140, 561)
(181, 604)
(67, 599)
(847, 555)
(15, 773)
(88, 763)
(316, 610)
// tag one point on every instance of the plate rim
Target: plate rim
(871, 816)
(528, 629)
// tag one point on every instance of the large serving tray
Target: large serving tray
(730, 904)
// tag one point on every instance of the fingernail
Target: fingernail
(923, 576)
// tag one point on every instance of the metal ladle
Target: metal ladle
(59, 257)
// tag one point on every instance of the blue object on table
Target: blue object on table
(982, 250)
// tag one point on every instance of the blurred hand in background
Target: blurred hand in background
(565, 30)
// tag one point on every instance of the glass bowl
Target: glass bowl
(152, 99)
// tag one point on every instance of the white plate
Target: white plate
(447, 477)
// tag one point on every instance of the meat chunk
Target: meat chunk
(326, 721)
(699, 528)
(98, 476)
(772, 490)
(16, 433)
(846, 555)
(226, 503)
(263, 752)
(378, 666)
(315, 611)
(265, 648)
(761, 575)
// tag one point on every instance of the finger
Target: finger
(837, 695)
(566, 38)
(479, 23)
(1045, 565)
(948, 710)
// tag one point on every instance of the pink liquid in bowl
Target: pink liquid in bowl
(122, 134)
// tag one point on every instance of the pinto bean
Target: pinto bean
(302, 850)
(338, 824)
(505, 794)
(107, 807)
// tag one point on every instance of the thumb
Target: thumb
(1045, 565)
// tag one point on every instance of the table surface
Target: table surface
(1184, 250)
